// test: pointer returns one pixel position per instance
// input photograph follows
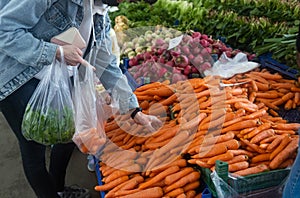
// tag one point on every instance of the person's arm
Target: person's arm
(16, 18)
(15, 21)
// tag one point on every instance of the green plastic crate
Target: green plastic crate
(247, 184)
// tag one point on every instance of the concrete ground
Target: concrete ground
(12, 179)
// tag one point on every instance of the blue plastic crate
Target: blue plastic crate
(268, 62)
(99, 176)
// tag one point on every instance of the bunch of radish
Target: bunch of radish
(153, 55)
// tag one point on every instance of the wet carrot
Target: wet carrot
(237, 158)
(287, 126)
(211, 151)
(112, 184)
(256, 131)
(262, 135)
(175, 176)
(154, 192)
(238, 166)
(260, 158)
(284, 154)
(240, 125)
(273, 113)
(288, 105)
(252, 170)
(159, 177)
(175, 192)
(241, 152)
(191, 186)
(253, 146)
(268, 140)
(191, 177)
(223, 157)
(286, 163)
(256, 114)
(201, 163)
(285, 141)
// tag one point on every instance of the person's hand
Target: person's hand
(72, 55)
(152, 123)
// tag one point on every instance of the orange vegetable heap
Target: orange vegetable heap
(203, 122)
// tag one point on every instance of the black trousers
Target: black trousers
(44, 183)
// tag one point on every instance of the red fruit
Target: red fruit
(197, 60)
(133, 62)
(204, 36)
(196, 35)
(204, 43)
(191, 57)
(185, 49)
(196, 51)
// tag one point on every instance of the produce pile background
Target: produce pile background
(253, 26)
(236, 123)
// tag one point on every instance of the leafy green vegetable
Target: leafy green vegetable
(49, 127)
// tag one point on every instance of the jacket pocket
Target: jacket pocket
(56, 16)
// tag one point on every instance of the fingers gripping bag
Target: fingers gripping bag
(48, 117)
(89, 113)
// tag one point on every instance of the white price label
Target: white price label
(174, 42)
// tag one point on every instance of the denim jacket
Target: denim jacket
(26, 28)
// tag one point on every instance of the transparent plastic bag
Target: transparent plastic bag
(227, 67)
(48, 117)
(223, 189)
(89, 112)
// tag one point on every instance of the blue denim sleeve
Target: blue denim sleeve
(16, 41)
(111, 75)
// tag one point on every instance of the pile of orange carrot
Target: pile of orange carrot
(204, 122)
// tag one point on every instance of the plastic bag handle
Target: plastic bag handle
(61, 51)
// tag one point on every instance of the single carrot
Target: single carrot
(275, 143)
(268, 104)
(116, 174)
(193, 176)
(246, 130)
(240, 125)
(112, 184)
(289, 104)
(262, 86)
(287, 126)
(268, 94)
(253, 146)
(159, 177)
(175, 192)
(256, 131)
(256, 114)
(257, 78)
(284, 142)
(268, 140)
(238, 166)
(211, 151)
(191, 186)
(154, 192)
(223, 157)
(250, 107)
(178, 162)
(241, 152)
(268, 75)
(232, 144)
(285, 132)
(262, 135)
(237, 158)
(283, 99)
(252, 170)
(273, 113)
(175, 176)
(284, 154)
(202, 163)
(260, 158)
(190, 194)
(286, 163)
(264, 146)
(217, 139)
